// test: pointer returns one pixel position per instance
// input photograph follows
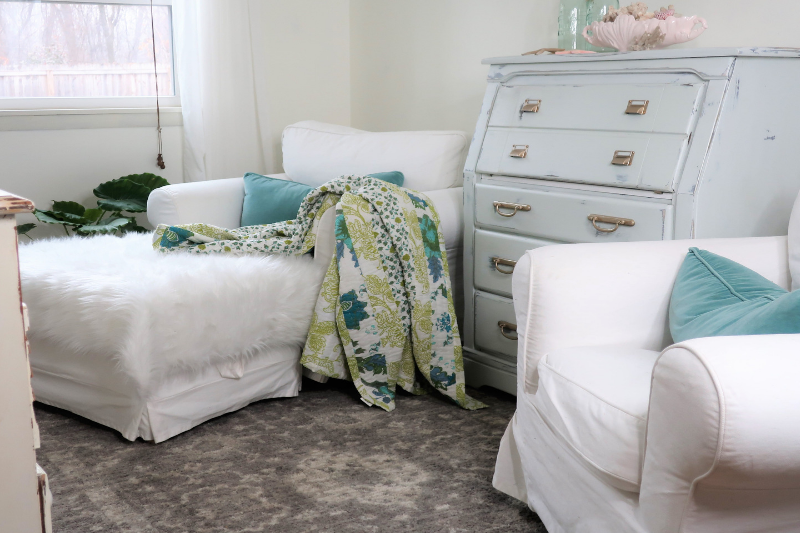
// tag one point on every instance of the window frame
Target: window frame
(68, 105)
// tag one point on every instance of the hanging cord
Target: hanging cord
(160, 158)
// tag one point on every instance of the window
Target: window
(84, 54)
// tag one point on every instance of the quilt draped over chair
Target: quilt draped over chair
(386, 302)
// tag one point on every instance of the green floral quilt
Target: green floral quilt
(385, 307)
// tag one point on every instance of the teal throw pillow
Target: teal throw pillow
(395, 177)
(268, 200)
(715, 296)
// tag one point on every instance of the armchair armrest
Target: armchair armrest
(723, 434)
(614, 294)
(216, 202)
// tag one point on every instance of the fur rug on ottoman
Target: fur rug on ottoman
(118, 330)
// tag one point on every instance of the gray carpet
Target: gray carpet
(322, 462)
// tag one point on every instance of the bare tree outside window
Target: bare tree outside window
(83, 50)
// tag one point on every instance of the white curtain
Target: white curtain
(222, 83)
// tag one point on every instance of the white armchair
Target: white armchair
(152, 344)
(613, 434)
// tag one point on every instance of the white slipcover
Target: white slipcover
(595, 400)
(314, 153)
(157, 405)
(720, 447)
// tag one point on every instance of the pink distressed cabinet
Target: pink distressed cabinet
(24, 494)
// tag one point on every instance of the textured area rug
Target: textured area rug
(321, 462)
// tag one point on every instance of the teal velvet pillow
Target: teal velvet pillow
(268, 200)
(715, 296)
(395, 177)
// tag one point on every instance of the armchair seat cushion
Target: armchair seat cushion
(595, 400)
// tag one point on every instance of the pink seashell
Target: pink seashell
(626, 29)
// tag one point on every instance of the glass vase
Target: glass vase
(595, 11)
(571, 21)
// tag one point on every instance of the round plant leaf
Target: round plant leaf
(105, 226)
(123, 189)
(23, 229)
(52, 217)
(131, 205)
(70, 212)
(92, 215)
(151, 181)
(73, 208)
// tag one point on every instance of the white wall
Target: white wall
(415, 64)
(374, 64)
(309, 58)
(64, 158)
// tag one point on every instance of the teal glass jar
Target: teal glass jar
(595, 11)
(574, 15)
(571, 21)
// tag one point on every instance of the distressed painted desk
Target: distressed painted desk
(25, 498)
(672, 144)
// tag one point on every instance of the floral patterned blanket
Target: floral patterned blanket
(385, 307)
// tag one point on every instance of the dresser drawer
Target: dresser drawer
(585, 157)
(489, 336)
(669, 108)
(494, 253)
(563, 216)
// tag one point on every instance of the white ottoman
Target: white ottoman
(152, 345)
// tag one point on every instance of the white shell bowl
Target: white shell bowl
(626, 30)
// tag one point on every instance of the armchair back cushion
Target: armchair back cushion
(314, 152)
(714, 296)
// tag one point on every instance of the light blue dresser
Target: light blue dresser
(673, 144)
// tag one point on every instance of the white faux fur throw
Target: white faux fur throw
(158, 314)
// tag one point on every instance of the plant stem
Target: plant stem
(100, 217)
(65, 229)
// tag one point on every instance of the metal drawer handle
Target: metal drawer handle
(507, 205)
(519, 150)
(510, 327)
(637, 107)
(623, 158)
(505, 262)
(617, 221)
(529, 106)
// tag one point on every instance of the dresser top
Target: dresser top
(672, 53)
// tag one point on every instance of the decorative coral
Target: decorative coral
(650, 40)
(638, 10)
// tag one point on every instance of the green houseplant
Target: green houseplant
(116, 199)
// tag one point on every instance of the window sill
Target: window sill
(69, 119)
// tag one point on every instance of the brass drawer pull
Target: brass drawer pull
(506, 205)
(519, 150)
(617, 221)
(623, 158)
(507, 326)
(529, 106)
(637, 107)
(505, 262)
